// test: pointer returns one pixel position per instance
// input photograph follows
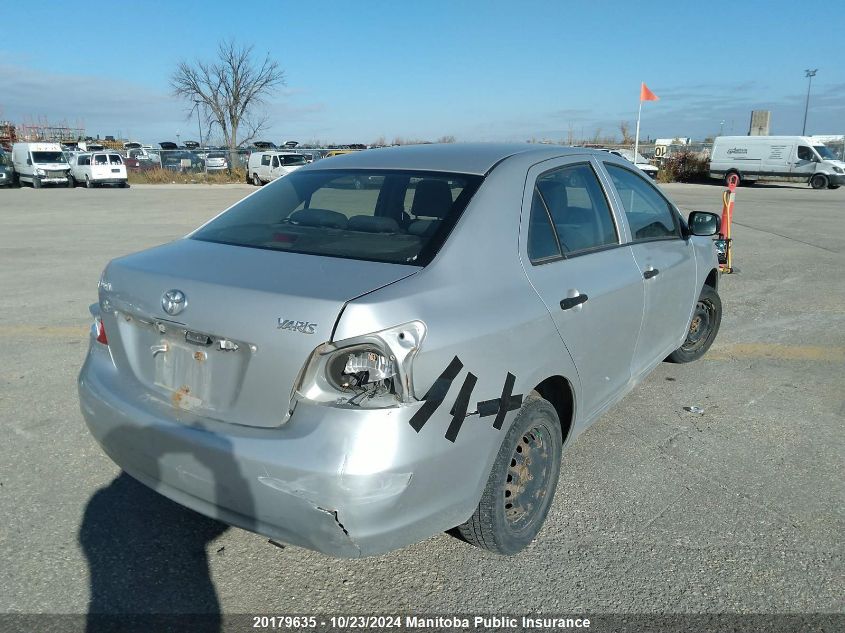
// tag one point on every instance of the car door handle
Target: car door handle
(652, 272)
(571, 302)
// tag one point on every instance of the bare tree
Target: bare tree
(446, 139)
(230, 89)
(625, 131)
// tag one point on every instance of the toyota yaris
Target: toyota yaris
(356, 369)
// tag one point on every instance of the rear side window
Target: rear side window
(578, 208)
(542, 243)
(101, 159)
(649, 214)
(114, 159)
(293, 160)
(390, 216)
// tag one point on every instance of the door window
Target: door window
(649, 214)
(275, 161)
(265, 160)
(804, 153)
(542, 243)
(577, 208)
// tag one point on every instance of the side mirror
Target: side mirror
(703, 223)
(29, 161)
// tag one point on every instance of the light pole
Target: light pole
(809, 74)
(199, 125)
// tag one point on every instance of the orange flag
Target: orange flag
(646, 94)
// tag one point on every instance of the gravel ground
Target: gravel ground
(658, 510)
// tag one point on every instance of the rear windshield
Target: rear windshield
(48, 157)
(400, 217)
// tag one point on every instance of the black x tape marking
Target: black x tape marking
(436, 394)
(459, 409)
(500, 406)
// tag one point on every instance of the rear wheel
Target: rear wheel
(522, 482)
(88, 183)
(728, 178)
(703, 328)
(819, 181)
(256, 180)
(71, 182)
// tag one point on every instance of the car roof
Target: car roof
(464, 158)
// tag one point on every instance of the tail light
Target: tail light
(371, 371)
(101, 331)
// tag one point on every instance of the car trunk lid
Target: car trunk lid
(250, 320)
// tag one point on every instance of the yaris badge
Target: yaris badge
(173, 302)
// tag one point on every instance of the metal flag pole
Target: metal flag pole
(637, 135)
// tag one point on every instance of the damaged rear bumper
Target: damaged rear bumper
(348, 483)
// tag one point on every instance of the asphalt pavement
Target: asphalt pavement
(738, 509)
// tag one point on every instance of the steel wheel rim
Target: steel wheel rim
(528, 477)
(701, 325)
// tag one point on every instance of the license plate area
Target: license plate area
(185, 372)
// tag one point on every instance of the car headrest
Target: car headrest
(319, 217)
(432, 199)
(373, 224)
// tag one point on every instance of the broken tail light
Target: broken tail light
(374, 370)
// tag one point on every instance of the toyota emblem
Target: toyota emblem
(173, 302)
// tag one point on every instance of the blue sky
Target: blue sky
(356, 71)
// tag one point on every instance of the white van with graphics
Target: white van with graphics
(776, 158)
(40, 164)
(264, 167)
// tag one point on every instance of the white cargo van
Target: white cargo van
(266, 166)
(776, 158)
(40, 164)
(98, 168)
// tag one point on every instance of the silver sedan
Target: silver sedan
(353, 369)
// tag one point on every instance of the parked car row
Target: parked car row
(40, 164)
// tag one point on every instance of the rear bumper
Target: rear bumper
(109, 181)
(346, 482)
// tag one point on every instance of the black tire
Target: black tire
(71, 181)
(36, 182)
(728, 178)
(256, 180)
(522, 482)
(819, 181)
(88, 183)
(703, 328)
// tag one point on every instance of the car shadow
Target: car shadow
(147, 555)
